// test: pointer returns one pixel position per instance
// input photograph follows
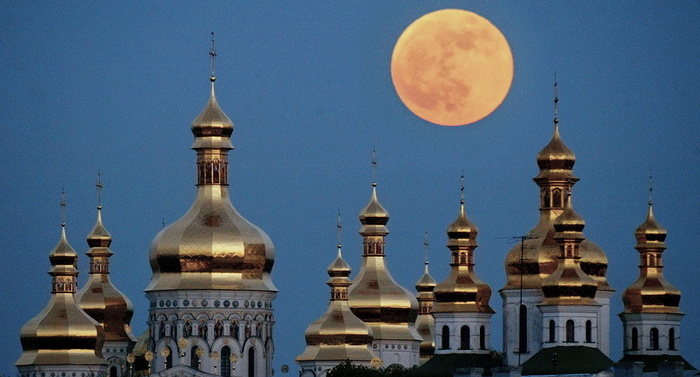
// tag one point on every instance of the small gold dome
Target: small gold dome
(556, 155)
(425, 283)
(462, 290)
(212, 246)
(338, 334)
(99, 298)
(62, 333)
(374, 217)
(425, 323)
(651, 293)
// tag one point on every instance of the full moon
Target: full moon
(452, 67)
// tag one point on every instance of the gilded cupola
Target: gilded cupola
(425, 323)
(99, 297)
(338, 334)
(389, 309)
(569, 284)
(212, 246)
(651, 293)
(462, 290)
(527, 264)
(62, 334)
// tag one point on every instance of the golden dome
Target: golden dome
(651, 293)
(99, 298)
(212, 246)
(389, 309)
(462, 290)
(338, 334)
(569, 284)
(539, 250)
(62, 333)
(425, 322)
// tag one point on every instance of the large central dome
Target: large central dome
(212, 246)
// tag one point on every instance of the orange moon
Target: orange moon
(452, 67)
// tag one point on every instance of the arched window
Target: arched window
(251, 362)
(589, 332)
(113, 371)
(522, 330)
(445, 337)
(482, 338)
(545, 198)
(654, 338)
(552, 331)
(635, 339)
(556, 202)
(225, 361)
(169, 358)
(671, 339)
(464, 334)
(194, 358)
(570, 336)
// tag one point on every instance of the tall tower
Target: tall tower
(62, 340)
(530, 262)
(338, 335)
(425, 322)
(462, 312)
(651, 320)
(387, 308)
(211, 293)
(100, 299)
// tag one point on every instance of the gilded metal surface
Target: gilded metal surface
(212, 246)
(651, 293)
(462, 291)
(99, 298)
(382, 304)
(338, 334)
(62, 333)
(425, 322)
(540, 251)
(569, 284)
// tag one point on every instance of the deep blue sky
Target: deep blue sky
(96, 86)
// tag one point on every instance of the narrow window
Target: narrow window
(194, 358)
(251, 362)
(522, 330)
(545, 198)
(635, 339)
(552, 331)
(445, 337)
(226, 361)
(557, 198)
(169, 358)
(482, 338)
(589, 332)
(654, 338)
(570, 331)
(671, 339)
(113, 371)
(464, 337)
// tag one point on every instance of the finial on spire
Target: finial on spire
(556, 102)
(462, 189)
(99, 186)
(425, 245)
(212, 54)
(339, 226)
(374, 166)
(63, 207)
(651, 188)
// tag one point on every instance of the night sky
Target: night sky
(94, 86)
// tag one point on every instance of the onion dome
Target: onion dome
(462, 290)
(338, 334)
(531, 261)
(651, 293)
(425, 322)
(99, 298)
(389, 309)
(212, 246)
(62, 333)
(569, 284)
